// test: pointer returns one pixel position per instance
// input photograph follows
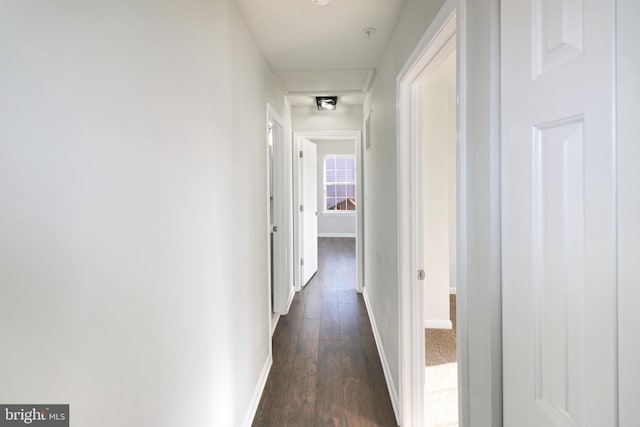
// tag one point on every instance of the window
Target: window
(339, 183)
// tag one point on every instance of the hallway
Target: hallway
(326, 369)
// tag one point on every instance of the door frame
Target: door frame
(306, 243)
(627, 106)
(283, 290)
(446, 25)
(356, 137)
(479, 290)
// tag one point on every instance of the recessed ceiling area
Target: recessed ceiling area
(297, 100)
(302, 86)
(325, 80)
(322, 50)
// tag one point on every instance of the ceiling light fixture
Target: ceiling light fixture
(320, 2)
(326, 102)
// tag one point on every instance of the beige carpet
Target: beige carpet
(441, 375)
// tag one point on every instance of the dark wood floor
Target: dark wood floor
(326, 369)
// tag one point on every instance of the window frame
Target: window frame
(330, 212)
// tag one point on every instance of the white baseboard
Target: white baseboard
(393, 393)
(353, 235)
(257, 394)
(292, 293)
(438, 324)
(274, 323)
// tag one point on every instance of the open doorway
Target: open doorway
(278, 181)
(327, 181)
(439, 207)
(325, 368)
(430, 169)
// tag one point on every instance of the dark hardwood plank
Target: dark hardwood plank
(330, 321)
(285, 343)
(313, 307)
(302, 386)
(352, 358)
(330, 394)
(359, 404)
(273, 408)
(326, 369)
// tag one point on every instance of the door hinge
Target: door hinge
(301, 208)
(421, 274)
(301, 154)
(301, 261)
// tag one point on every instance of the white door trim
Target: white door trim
(410, 260)
(283, 291)
(479, 300)
(356, 137)
(628, 105)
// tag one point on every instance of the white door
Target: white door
(309, 213)
(278, 206)
(559, 217)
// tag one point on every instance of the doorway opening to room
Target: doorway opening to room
(328, 213)
(431, 164)
(278, 218)
(439, 207)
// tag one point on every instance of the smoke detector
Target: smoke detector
(320, 2)
(369, 32)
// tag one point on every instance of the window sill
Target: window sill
(338, 213)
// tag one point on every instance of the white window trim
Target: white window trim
(326, 212)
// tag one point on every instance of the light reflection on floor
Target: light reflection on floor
(441, 395)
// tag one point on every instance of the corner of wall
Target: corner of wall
(257, 393)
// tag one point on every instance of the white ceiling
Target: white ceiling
(321, 50)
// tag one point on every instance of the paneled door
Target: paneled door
(559, 213)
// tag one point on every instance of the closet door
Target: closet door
(559, 213)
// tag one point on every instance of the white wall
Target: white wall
(132, 210)
(628, 60)
(381, 246)
(331, 224)
(309, 118)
